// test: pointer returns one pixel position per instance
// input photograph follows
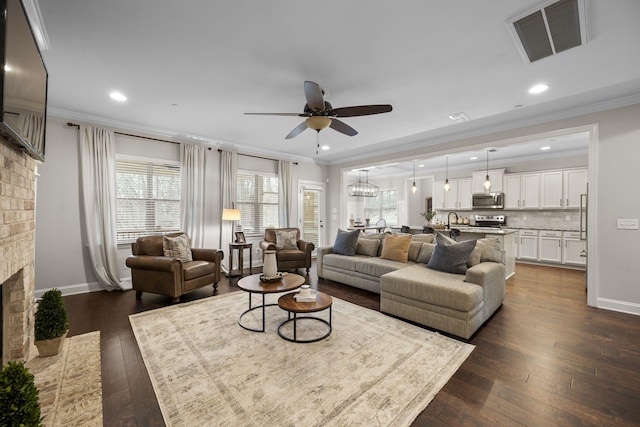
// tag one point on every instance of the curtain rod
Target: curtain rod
(256, 157)
(133, 136)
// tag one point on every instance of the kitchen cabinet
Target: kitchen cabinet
(550, 246)
(495, 175)
(573, 248)
(528, 245)
(522, 191)
(457, 198)
(575, 184)
(562, 189)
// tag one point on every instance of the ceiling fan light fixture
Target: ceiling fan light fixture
(318, 122)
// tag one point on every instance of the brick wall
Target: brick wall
(17, 250)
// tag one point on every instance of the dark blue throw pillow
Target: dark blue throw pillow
(451, 257)
(346, 242)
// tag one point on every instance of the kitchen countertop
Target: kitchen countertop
(480, 230)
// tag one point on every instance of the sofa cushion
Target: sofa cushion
(194, 269)
(414, 250)
(491, 250)
(376, 267)
(451, 257)
(368, 247)
(346, 242)
(341, 262)
(424, 238)
(396, 248)
(177, 247)
(286, 239)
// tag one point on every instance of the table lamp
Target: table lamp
(231, 215)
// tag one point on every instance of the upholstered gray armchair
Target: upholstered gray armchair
(297, 255)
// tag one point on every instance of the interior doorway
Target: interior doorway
(311, 212)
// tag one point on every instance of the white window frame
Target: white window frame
(239, 203)
(380, 214)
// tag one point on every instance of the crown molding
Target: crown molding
(37, 24)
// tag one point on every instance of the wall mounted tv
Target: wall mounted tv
(23, 81)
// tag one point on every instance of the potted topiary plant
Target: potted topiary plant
(428, 216)
(51, 323)
(19, 397)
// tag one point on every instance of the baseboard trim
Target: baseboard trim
(80, 288)
(621, 306)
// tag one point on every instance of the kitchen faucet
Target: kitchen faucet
(449, 219)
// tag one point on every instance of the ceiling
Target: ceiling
(190, 69)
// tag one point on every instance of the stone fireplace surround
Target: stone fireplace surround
(17, 250)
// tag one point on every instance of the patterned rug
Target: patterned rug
(70, 383)
(371, 370)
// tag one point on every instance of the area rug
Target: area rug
(70, 383)
(372, 370)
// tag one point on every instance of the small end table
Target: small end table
(289, 304)
(240, 247)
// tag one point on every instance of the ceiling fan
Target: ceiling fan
(320, 114)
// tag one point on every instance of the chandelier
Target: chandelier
(363, 188)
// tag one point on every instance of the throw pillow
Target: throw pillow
(424, 238)
(475, 256)
(396, 247)
(378, 236)
(414, 250)
(286, 239)
(425, 252)
(346, 242)
(491, 250)
(451, 257)
(368, 247)
(177, 247)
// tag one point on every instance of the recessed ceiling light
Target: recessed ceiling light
(7, 67)
(539, 88)
(325, 147)
(459, 117)
(420, 166)
(473, 158)
(546, 147)
(118, 96)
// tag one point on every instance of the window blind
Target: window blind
(384, 205)
(147, 199)
(257, 199)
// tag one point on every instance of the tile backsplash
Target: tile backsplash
(538, 220)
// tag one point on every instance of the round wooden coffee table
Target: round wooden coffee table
(290, 305)
(254, 285)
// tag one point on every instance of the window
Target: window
(147, 198)
(384, 205)
(257, 199)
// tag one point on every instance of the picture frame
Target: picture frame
(240, 237)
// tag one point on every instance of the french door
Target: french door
(311, 212)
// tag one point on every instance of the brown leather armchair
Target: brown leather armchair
(288, 258)
(152, 272)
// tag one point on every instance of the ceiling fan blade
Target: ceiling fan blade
(342, 127)
(276, 114)
(360, 110)
(313, 93)
(297, 131)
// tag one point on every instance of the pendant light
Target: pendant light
(487, 181)
(363, 188)
(414, 188)
(447, 186)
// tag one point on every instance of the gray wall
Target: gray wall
(62, 259)
(614, 270)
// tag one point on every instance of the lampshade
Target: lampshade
(363, 188)
(231, 214)
(318, 122)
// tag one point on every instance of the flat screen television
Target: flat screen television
(23, 81)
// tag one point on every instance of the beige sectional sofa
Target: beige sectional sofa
(454, 303)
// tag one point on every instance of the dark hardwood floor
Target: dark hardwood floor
(545, 357)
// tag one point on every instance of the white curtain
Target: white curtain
(32, 128)
(228, 171)
(97, 164)
(284, 184)
(192, 174)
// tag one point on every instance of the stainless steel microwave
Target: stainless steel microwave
(487, 201)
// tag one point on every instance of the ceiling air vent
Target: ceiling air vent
(550, 29)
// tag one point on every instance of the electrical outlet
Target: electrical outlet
(627, 224)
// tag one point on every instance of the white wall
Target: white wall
(614, 270)
(62, 259)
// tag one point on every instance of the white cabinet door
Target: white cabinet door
(573, 248)
(550, 246)
(451, 196)
(575, 183)
(528, 245)
(464, 193)
(551, 195)
(530, 191)
(438, 195)
(512, 191)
